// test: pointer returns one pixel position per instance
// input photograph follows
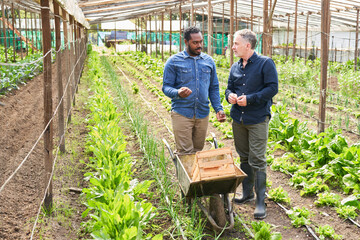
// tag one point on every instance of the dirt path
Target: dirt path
(21, 121)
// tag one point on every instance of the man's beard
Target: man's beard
(193, 51)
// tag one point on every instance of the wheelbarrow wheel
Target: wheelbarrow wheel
(217, 210)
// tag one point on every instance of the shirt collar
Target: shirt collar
(186, 55)
(251, 59)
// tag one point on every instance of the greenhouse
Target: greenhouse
(217, 119)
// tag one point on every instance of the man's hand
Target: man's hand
(221, 116)
(241, 101)
(184, 92)
(232, 98)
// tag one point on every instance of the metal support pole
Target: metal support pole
(170, 36)
(210, 32)
(162, 36)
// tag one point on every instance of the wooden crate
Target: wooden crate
(213, 164)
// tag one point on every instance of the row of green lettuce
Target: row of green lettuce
(114, 199)
(318, 158)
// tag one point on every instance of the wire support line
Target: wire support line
(42, 133)
(25, 64)
(54, 162)
(42, 57)
(286, 210)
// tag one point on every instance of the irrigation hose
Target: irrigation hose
(307, 227)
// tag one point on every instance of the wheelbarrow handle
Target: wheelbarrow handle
(170, 151)
(216, 145)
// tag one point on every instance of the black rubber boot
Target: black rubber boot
(247, 185)
(260, 188)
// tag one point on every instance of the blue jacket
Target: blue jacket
(259, 82)
(197, 73)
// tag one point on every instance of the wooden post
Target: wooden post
(306, 34)
(265, 27)
(26, 33)
(325, 30)
(61, 124)
(48, 135)
(223, 31)
(210, 33)
(14, 38)
(162, 36)
(32, 32)
(67, 64)
(231, 34)
(150, 34)
(236, 16)
(356, 39)
(170, 36)
(295, 31)
(192, 14)
(252, 15)
(4, 30)
(180, 32)
(36, 36)
(136, 42)
(19, 28)
(203, 22)
(115, 37)
(287, 38)
(156, 37)
(141, 34)
(72, 58)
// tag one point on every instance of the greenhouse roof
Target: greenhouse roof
(70, 6)
(343, 12)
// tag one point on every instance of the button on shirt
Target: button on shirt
(258, 80)
(197, 73)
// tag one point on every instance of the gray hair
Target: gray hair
(248, 36)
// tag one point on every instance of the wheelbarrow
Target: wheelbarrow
(211, 174)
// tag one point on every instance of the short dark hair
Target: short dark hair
(188, 31)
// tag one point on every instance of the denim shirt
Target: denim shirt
(197, 73)
(259, 82)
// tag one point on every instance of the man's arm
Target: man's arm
(214, 94)
(169, 78)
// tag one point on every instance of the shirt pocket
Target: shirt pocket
(185, 75)
(205, 71)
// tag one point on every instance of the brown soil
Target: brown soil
(22, 122)
(276, 216)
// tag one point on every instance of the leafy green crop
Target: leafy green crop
(263, 231)
(299, 216)
(328, 199)
(113, 197)
(327, 232)
(279, 195)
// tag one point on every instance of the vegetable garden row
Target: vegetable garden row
(317, 163)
